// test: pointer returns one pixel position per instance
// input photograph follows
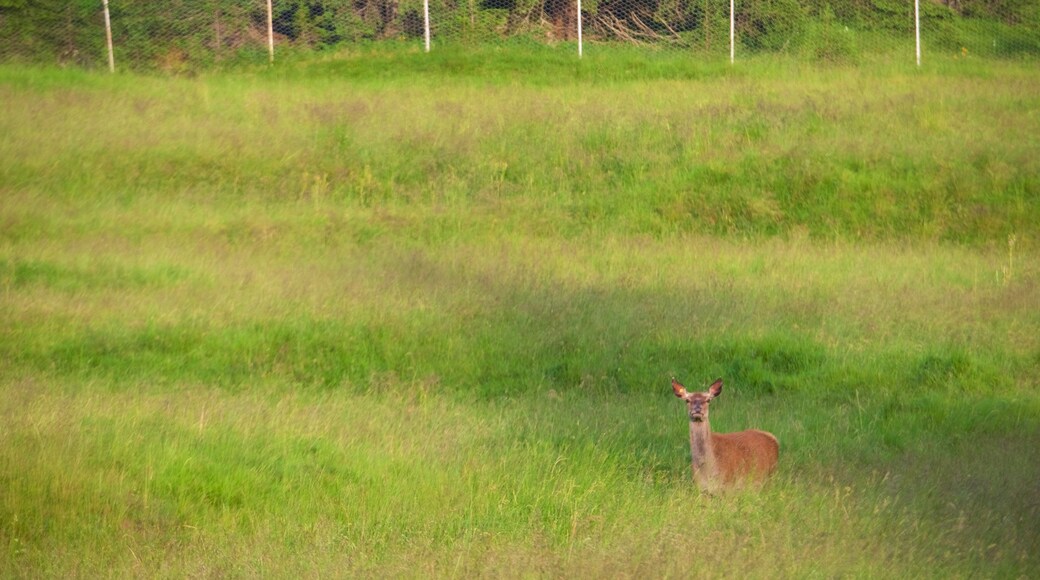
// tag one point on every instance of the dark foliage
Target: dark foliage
(179, 34)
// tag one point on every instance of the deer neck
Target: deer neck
(702, 453)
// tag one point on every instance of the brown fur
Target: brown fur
(724, 459)
(750, 453)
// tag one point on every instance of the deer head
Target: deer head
(697, 403)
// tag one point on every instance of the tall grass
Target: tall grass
(283, 322)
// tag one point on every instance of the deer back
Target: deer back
(748, 454)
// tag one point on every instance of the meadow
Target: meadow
(394, 314)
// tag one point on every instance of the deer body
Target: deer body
(724, 459)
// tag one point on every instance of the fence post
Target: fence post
(108, 38)
(270, 32)
(579, 28)
(917, 28)
(426, 23)
(732, 32)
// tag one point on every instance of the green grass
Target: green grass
(346, 319)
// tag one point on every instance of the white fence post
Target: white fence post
(108, 38)
(426, 23)
(579, 28)
(732, 32)
(270, 32)
(917, 28)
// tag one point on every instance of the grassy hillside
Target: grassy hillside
(419, 318)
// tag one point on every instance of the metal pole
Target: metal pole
(732, 33)
(270, 32)
(426, 23)
(917, 28)
(579, 28)
(108, 38)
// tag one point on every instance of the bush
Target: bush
(770, 26)
(828, 40)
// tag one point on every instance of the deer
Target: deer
(724, 460)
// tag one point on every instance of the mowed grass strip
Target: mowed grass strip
(877, 154)
(529, 315)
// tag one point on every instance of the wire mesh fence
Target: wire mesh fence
(180, 34)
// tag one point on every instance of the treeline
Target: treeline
(171, 33)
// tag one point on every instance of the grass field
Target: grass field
(370, 315)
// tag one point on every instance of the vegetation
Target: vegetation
(181, 36)
(386, 313)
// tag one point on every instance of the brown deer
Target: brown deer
(724, 459)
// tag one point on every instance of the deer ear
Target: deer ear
(715, 389)
(678, 389)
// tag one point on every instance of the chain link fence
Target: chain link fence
(175, 35)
